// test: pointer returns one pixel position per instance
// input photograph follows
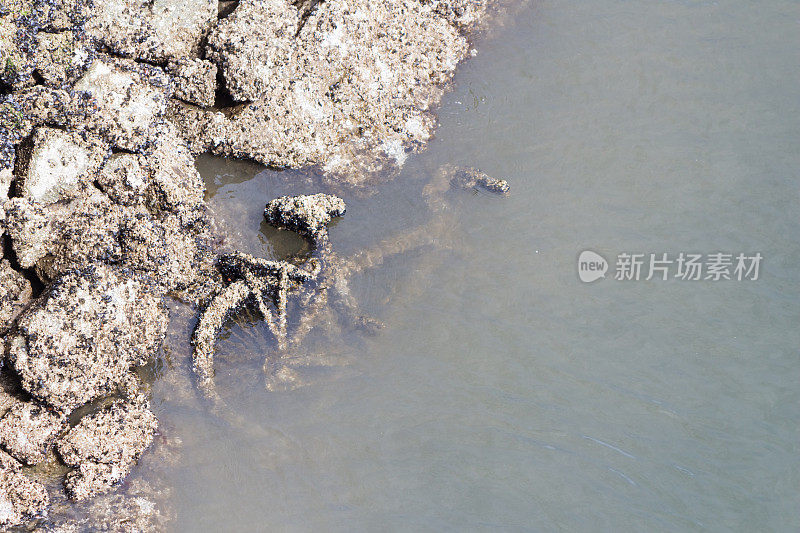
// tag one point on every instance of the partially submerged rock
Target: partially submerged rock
(28, 430)
(308, 215)
(15, 293)
(104, 446)
(81, 339)
(345, 89)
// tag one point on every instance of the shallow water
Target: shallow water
(503, 393)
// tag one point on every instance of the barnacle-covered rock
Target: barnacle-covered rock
(61, 165)
(17, 46)
(464, 14)
(348, 88)
(308, 215)
(6, 177)
(195, 80)
(21, 498)
(55, 16)
(176, 256)
(12, 130)
(130, 98)
(105, 446)
(154, 30)
(9, 463)
(125, 178)
(163, 178)
(176, 183)
(28, 430)
(64, 235)
(15, 293)
(41, 105)
(61, 58)
(30, 230)
(254, 45)
(81, 339)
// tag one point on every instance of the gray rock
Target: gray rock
(351, 92)
(195, 81)
(61, 58)
(254, 46)
(9, 463)
(64, 108)
(177, 185)
(61, 165)
(17, 46)
(12, 131)
(63, 236)
(155, 30)
(30, 230)
(15, 293)
(163, 178)
(80, 340)
(125, 178)
(21, 498)
(28, 430)
(174, 256)
(464, 14)
(7, 400)
(57, 15)
(105, 446)
(129, 97)
(6, 177)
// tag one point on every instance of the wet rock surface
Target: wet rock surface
(104, 446)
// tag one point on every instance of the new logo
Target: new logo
(591, 266)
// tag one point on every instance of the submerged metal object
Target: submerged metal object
(320, 285)
(267, 284)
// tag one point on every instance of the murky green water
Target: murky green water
(503, 393)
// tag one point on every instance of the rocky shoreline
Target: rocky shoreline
(103, 108)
